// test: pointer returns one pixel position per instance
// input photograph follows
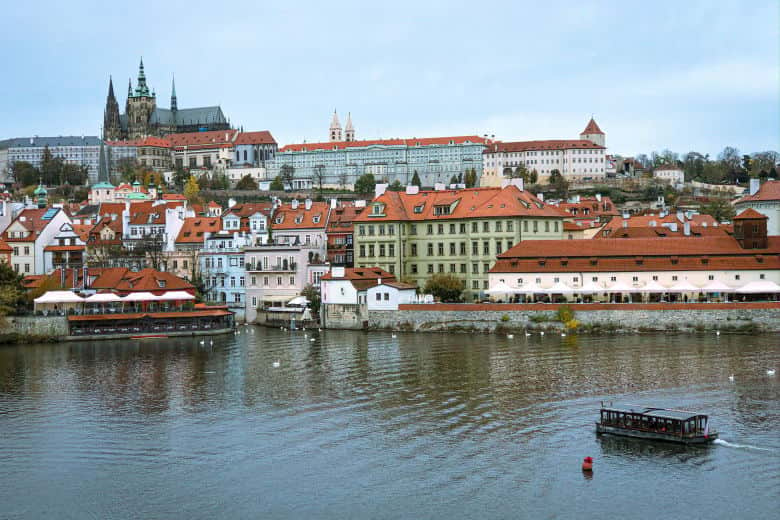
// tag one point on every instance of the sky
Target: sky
(692, 75)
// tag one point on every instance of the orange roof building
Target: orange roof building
(764, 198)
(415, 234)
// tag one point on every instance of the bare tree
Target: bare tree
(319, 176)
(287, 173)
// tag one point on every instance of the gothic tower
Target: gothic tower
(593, 133)
(335, 128)
(112, 129)
(174, 106)
(140, 106)
(349, 131)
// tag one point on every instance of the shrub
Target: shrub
(565, 314)
(505, 318)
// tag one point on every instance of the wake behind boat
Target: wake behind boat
(662, 424)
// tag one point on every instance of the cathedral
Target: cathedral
(143, 117)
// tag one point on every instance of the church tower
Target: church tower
(594, 134)
(174, 105)
(140, 106)
(112, 129)
(335, 128)
(349, 131)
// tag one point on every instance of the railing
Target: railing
(272, 268)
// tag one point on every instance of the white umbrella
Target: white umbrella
(758, 287)
(620, 287)
(559, 288)
(298, 300)
(530, 288)
(716, 286)
(500, 288)
(103, 298)
(589, 287)
(143, 296)
(59, 297)
(175, 296)
(683, 287)
(653, 287)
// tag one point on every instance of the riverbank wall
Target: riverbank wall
(752, 317)
(33, 329)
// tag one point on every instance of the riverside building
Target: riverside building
(416, 234)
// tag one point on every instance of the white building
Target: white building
(29, 233)
(764, 198)
(303, 224)
(576, 159)
(388, 295)
(670, 173)
(276, 273)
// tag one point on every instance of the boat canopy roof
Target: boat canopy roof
(661, 413)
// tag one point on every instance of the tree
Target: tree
(719, 208)
(180, 177)
(731, 160)
(507, 172)
(416, 179)
(445, 287)
(319, 175)
(521, 172)
(286, 174)
(246, 183)
(11, 291)
(277, 184)
(693, 166)
(192, 190)
(312, 293)
(396, 186)
(773, 173)
(558, 183)
(24, 173)
(470, 179)
(365, 184)
(343, 179)
(454, 179)
(150, 249)
(533, 177)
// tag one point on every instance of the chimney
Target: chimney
(680, 216)
(598, 197)
(439, 187)
(338, 272)
(653, 223)
(540, 197)
(412, 189)
(379, 281)
(231, 203)
(307, 204)
(380, 189)
(755, 184)
(687, 229)
(625, 224)
(333, 203)
(294, 204)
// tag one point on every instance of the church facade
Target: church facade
(143, 118)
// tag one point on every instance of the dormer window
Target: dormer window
(419, 208)
(378, 210)
(299, 219)
(316, 219)
(161, 284)
(441, 210)
(279, 219)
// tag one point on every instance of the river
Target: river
(269, 424)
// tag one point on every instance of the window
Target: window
(710, 277)
(453, 268)
(463, 268)
(414, 250)
(485, 268)
(452, 229)
(486, 248)
(474, 268)
(430, 229)
(473, 227)
(414, 268)
(613, 278)
(26, 268)
(379, 297)
(475, 284)
(390, 229)
(381, 229)
(362, 250)
(556, 226)
(254, 280)
(441, 248)
(430, 249)
(26, 250)
(635, 279)
(762, 276)
(391, 250)
(486, 227)
(475, 248)
(362, 230)
(498, 247)
(452, 248)
(381, 250)
(498, 226)
(510, 225)
(462, 228)
(430, 268)
(292, 280)
(278, 281)
(371, 250)
(525, 226)
(441, 268)
(536, 226)
(232, 281)
(736, 276)
(440, 228)
(674, 278)
(413, 229)
(370, 230)
(655, 278)
(463, 249)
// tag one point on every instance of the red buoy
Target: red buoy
(587, 464)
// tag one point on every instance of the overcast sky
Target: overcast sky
(684, 75)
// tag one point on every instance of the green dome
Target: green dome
(136, 183)
(40, 190)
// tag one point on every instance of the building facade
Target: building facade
(80, 151)
(416, 234)
(143, 117)
(341, 163)
(577, 159)
(764, 198)
(670, 173)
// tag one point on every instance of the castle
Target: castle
(143, 117)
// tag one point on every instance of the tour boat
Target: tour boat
(660, 424)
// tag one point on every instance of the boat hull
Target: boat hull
(655, 436)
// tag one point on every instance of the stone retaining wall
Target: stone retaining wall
(739, 317)
(52, 326)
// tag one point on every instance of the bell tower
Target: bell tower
(335, 128)
(112, 129)
(140, 106)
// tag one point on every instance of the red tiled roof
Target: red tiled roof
(661, 232)
(214, 137)
(751, 214)
(261, 137)
(639, 221)
(592, 128)
(5, 248)
(342, 218)
(192, 232)
(664, 167)
(549, 144)
(285, 217)
(173, 196)
(200, 313)
(126, 281)
(594, 207)
(64, 248)
(212, 204)
(509, 201)
(32, 221)
(423, 141)
(770, 190)
(362, 278)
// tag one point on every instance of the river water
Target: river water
(268, 424)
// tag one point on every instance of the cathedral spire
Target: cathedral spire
(141, 89)
(173, 94)
(129, 88)
(111, 123)
(335, 127)
(349, 130)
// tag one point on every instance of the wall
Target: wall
(55, 326)
(763, 316)
(344, 316)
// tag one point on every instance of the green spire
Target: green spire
(174, 106)
(142, 89)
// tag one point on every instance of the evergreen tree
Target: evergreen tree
(416, 179)
(365, 184)
(246, 183)
(277, 184)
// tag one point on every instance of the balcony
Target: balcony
(278, 268)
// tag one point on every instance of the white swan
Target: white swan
(717, 333)
(276, 364)
(731, 377)
(770, 372)
(203, 342)
(563, 334)
(510, 336)
(541, 333)
(393, 336)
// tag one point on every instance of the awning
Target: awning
(653, 287)
(717, 286)
(143, 296)
(103, 298)
(500, 288)
(175, 296)
(530, 289)
(684, 286)
(759, 287)
(59, 297)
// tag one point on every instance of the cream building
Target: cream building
(577, 159)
